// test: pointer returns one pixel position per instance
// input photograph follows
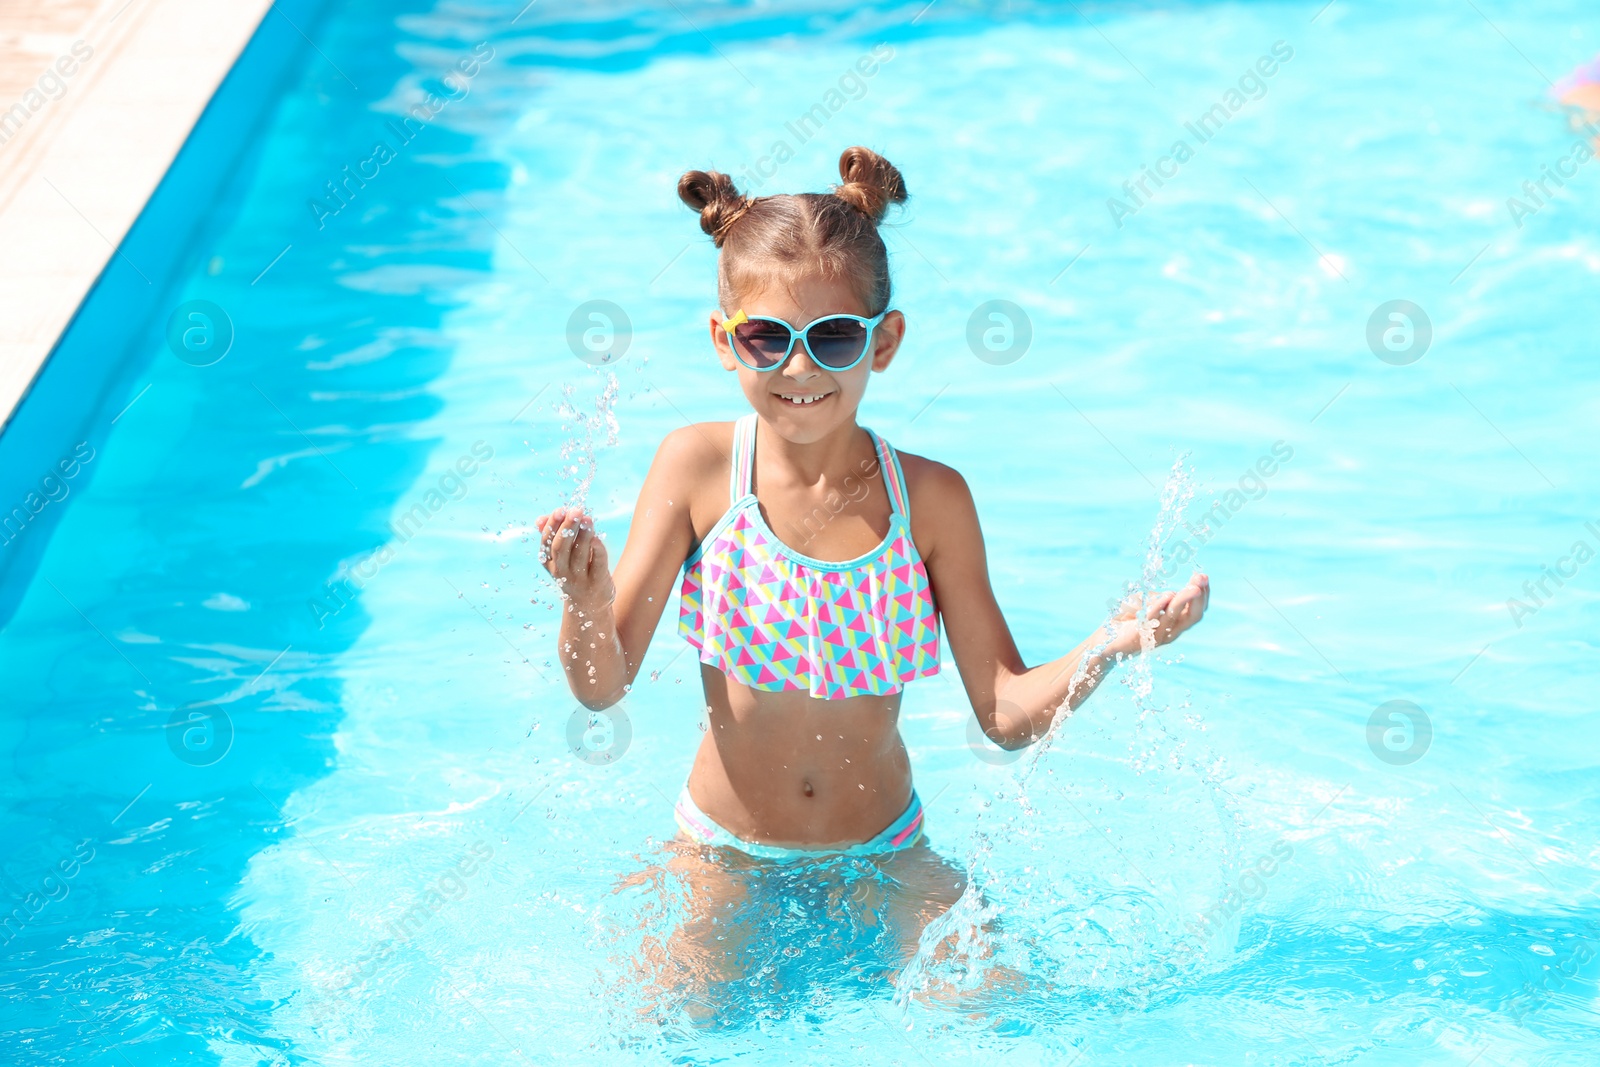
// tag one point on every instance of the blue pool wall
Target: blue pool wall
(103, 351)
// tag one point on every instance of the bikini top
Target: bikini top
(774, 619)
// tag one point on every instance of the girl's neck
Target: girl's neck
(830, 458)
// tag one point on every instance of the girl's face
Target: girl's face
(834, 395)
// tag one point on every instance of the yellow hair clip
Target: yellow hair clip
(738, 317)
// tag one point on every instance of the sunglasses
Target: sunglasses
(835, 342)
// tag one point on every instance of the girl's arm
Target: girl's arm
(1015, 703)
(606, 622)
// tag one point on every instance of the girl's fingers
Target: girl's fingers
(597, 553)
(561, 545)
(582, 550)
(551, 537)
(1189, 606)
(553, 553)
(583, 540)
(548, 526)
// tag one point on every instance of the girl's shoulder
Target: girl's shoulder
(691, 466)
(943, 513)
(928, 479)
(695, 453)
(699, 441)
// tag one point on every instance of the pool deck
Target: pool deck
(96, 99)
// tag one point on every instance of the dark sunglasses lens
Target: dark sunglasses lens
(837, 342)
(762, 344)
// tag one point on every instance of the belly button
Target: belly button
(806, 786)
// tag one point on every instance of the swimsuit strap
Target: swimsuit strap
(894, 479)
(742, 468)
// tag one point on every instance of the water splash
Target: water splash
(583, 429)
(968, 947)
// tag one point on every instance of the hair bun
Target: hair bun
(871, 183)
(714, 196)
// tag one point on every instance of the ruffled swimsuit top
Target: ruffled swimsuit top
(774, 619)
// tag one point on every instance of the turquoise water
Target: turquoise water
(384, 850)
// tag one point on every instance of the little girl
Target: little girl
(804, 653)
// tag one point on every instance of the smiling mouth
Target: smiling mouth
(803, 399)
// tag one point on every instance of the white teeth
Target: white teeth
(805, 399)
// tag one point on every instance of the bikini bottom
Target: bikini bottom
(699, 827)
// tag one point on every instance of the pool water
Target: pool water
(292, 778)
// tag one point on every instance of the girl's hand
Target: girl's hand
(1167, 615)
(575, 556)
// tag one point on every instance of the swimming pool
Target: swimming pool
(291, 776)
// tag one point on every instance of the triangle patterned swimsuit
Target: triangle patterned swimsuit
(774, 619)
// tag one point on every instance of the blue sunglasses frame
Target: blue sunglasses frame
(802, 335)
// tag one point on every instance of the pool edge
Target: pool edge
(53, 426)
